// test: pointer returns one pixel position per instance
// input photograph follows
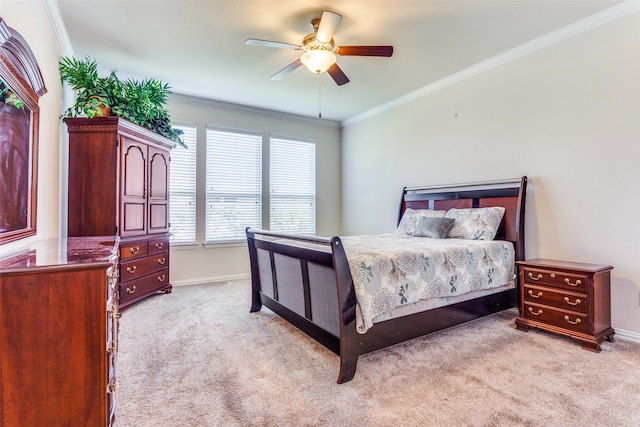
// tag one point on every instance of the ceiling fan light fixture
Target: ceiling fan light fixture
(318, 60)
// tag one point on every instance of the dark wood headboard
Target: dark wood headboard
(509, 194)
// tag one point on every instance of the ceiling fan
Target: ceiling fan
(319, 51)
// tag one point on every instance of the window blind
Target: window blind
(234, 183)
(182, 195)
(292, 186)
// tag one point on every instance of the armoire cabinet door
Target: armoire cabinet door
(158, 191)
(133, 205)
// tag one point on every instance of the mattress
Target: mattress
(393, 272)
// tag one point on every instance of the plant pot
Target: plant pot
(99, 108)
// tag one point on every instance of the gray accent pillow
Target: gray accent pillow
(436, 228)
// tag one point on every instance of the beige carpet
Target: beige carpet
(197, 357)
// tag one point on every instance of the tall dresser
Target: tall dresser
(59, 333)
(119, 185)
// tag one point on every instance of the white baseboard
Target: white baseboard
(204, 280)
(627, 335)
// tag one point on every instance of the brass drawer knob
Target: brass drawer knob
(161, 278)
(535, 278)
(538, 295)
(132, 269)
(578, 301)
(159, 245)
(131, 290)
(162, 260)
(573, 323)
(538, 313)
(568, 282)
(134, 250)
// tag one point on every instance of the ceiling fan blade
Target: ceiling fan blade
(269, 43)
(338, 75)
(365, 50)
(286, 70)
(328, 25)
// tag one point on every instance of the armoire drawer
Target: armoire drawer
(133, 250)
(143, 286)
(136, 268)
(158, 245)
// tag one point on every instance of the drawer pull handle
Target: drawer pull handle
(161, 261)
(578, 301)
(159, 245)
(132, 269)
(538, 313)
(134, 250)
(568, 282)
(535, 278)
(131, 290)
(535, 296)
(161, 278)
(573, 323)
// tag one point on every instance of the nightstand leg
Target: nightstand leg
(521, 326)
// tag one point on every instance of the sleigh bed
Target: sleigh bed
(308, 280)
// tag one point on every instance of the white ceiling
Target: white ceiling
(198, 46)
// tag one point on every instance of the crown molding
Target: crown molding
(610, 14)
(51, 6)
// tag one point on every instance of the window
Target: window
(292, 186)
(182, 196)
(234, 183)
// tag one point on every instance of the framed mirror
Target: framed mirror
(21, 86)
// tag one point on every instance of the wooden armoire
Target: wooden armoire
(119, 185)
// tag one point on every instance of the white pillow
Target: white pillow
(475, 223)
(410, 219)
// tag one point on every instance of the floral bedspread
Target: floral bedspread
(390, 270)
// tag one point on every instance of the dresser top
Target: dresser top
(566, 265)
(59, 252)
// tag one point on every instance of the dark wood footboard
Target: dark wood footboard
(307, 280)
(298, 283)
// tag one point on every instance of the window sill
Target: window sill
(183, 246)
(225, 244)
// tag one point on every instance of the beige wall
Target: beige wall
(198, 263)
(568, 116)
(30, 19)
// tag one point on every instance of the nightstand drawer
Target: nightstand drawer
(564, 300)
(560, 318)
(577, 282)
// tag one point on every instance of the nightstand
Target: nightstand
(566, 298)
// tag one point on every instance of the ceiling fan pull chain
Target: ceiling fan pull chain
(319, 96)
